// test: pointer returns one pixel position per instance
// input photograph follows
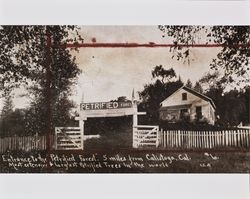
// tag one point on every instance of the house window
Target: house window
(184, 96)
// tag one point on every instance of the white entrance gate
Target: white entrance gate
(68, 138)
(144, 135)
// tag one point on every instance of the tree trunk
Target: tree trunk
(48, 120)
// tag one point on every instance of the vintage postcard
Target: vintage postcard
(124, 99)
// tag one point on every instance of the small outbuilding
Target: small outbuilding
(186, 104)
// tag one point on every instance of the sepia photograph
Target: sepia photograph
(124, 99)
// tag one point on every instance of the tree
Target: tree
(189, 84)
(6, 116)
(34, 56)
(163, 74)
(154, 93)
(232, 107)
(7, 106)
(35, 114)
(120, 99)
(211, 80)
(233, 59)
(198, 87)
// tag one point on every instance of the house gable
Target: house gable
(185, 95)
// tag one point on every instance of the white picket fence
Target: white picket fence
(145, 136)
(181, 139)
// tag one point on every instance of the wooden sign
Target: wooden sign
(104, 105)
(106, 109)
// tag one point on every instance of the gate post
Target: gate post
(81, 125)
(135, 123)
(135, 119)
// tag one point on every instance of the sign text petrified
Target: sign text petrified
(105, 105)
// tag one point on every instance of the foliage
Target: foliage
(232, 107)
(34, 57)
(7, 106)
(233, 59)
(153, 94)
(12, 122)
(36, 115)
(163, 74)
(198, 87)
(24, 54)
(189, 84)
(121, 99)
(6, 116)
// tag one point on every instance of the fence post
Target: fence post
(237, 137)
(244, 140)
(201, 139)
(248, 137)
(232, 138)
(164, 139)
(210, 136)
(191, 143)
(217, 139)
(241, 139)
(226, 138)
(196, 140)
(205, 139)
(172, 138)
(214, 138)
(179, 138)
(157, 137)
(167, 141)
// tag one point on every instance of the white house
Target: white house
(186, 103)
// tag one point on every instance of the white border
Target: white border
(124, 12)
(113, 186)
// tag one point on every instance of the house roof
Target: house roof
(204, 97)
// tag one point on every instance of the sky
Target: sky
(112, 72)
(108, 73)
